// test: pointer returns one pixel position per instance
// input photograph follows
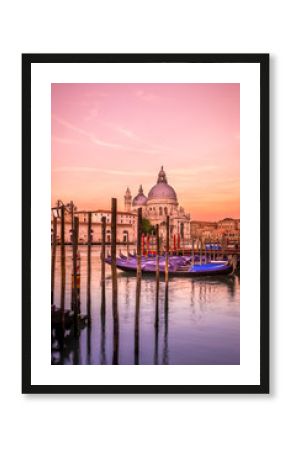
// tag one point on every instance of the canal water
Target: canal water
(200, 326)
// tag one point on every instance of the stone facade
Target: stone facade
(126, 226)
(225, 229)
(160, 203)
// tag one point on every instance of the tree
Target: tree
(147, 227)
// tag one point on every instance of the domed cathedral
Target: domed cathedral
(160, 203)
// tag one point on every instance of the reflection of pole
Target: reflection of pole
(156, 338)
(89, 287)
(89, 335)
(103, 293)
(103, 323)
(114, 282)
(89, 267)
(53, 255)
(165, 348)
(137, 323)
(138, 286)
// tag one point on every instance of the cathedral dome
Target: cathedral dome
(140, 199)
(162, 190)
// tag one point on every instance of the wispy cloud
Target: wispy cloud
(128, 133)
(149, 148)
(146, 96)
(189, 172)
(81, 169)
(142, 147)
(94, 139)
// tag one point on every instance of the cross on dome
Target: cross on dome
(162, 176)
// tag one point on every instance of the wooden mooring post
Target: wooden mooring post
(139, 243)
(166, 306)
(53, 256)
(71, 204)
(62, 258)
(114, 233)
(76, 279)
(103, 294)
(103, 250)
(156, 321)
(157, 276)
(167, 252)
(200, 251)
(115, 358)
(138, 286)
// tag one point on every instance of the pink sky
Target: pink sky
(106, 137)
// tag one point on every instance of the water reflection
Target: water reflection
(193, 321)
(103, 324)
(166, 310)
(115, 358)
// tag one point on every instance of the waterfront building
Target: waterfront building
(227, 229)
(126, 226)
(161, 202)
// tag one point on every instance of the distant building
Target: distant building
(160, 203)
(225, 229)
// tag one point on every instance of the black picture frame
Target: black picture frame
(263, 61)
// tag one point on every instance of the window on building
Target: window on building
(125, 236)
(166, 211)
(160, 211)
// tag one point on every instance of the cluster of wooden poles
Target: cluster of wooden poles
(75, 303)
(138, 280)
(212, 254)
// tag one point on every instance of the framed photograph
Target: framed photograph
(145, 223)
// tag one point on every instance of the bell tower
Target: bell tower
(128, 200)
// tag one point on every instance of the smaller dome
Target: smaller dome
(140, 199)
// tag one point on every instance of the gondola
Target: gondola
(183, 258)
(176, 268)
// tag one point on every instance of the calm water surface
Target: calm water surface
(200, 326)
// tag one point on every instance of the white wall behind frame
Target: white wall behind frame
(169, 422)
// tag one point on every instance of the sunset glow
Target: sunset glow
(106, 137)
